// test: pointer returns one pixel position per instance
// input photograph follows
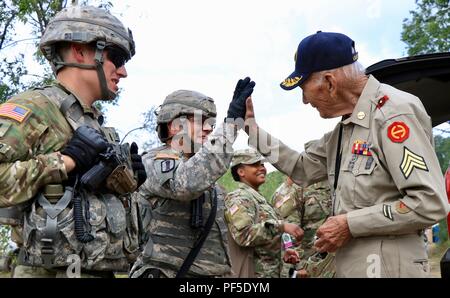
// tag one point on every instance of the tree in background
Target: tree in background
(428, 29)
(150, 126)
(442, 147)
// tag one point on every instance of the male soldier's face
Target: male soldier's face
(200, 127)
(254, 174)
(114, 67)
(191, 131)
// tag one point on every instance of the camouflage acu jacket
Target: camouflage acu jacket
(32, 131)
(173, 182)
(252, 222)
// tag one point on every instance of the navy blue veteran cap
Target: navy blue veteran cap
(320, 51)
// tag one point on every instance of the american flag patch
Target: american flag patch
(279, 203)
(234, 209)
(14, 111)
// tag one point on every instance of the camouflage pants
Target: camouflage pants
(21, 271)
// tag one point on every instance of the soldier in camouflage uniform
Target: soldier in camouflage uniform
(181, 187)
(251, 220)
(51, 136)
(308, 207)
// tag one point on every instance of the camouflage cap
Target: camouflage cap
(246, 157)
(85, 24)
(185, 102)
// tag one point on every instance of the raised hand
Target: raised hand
(237, 108)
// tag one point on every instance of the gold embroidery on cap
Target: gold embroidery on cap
(289, 82)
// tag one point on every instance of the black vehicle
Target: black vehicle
(427, 77)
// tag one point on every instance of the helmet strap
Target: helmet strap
(106, 93)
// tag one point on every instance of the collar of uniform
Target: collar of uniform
(169, 150)
(364, 104)
(248, 188)
(86, 109)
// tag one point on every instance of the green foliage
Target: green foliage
(273, 180)
(443, 231)
(442, 147)
(428, 30)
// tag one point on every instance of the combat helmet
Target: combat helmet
(179, 103)
(86, 24)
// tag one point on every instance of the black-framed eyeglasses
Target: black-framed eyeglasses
(116, 55)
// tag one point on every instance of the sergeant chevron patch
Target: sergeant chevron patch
(387, 212)
(410, 161)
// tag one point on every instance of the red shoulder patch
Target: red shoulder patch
(398, 132)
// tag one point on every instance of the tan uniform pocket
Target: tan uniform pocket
(364, 180)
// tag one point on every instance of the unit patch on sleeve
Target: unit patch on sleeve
(401, 208)
(167, 165)
(398, 132)
(410, 161)
(387, 212)
(14, 111)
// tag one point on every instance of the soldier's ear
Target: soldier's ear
(79, 52)
(174, 127)
(241, 172)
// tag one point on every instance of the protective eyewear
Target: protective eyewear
(117, 56)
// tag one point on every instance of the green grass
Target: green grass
(273, 180)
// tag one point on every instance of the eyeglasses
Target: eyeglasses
(117, 56)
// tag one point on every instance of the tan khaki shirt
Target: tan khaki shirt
(390, 181)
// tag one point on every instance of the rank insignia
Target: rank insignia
(410, 161)
(382, 101)
(387, 212)
(401, 208)
(14, 111)
(398, 132)
(361, 148)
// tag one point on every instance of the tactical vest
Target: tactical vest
(49, 227)
(171, 237)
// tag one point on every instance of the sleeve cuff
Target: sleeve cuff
(55, 168)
